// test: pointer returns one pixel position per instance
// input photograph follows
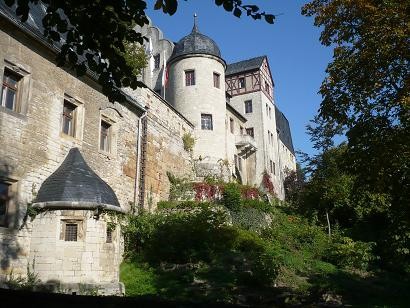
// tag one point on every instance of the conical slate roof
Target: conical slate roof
(195, 43)
(75, 181)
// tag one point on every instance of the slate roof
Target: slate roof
(195, 43)
(282, 124)
(75, 181)
(245, 65)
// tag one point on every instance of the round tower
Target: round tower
(196, 89)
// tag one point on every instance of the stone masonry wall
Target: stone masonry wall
(89, 260)
(33, 146)
(164, 147)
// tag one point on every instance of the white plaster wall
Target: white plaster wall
(202, 97)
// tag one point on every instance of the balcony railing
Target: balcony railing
(245, 144)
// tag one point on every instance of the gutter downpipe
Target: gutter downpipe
(137, 164)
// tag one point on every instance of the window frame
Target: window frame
(109, 239)
(189, 77)
(23, 88)
(248, 106)
(78, 118)
(72, 118)
(241, 83)
(8, 87)
(157, 61)
(108, 136)
(204, 126)
(231, 125)
(4, 218)
(72, 221)
(8, 219)
(250, 129)
(217, 80)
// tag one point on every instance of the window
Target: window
(216, 80)
(231, 125)
(248, 106)
(250, 132)
(267, 111)
(239, 163)
(157, 61)
(267, 88)
(190, 78)
(105, 136)
(272, 167)
(4, 203)
(241, 130)
(69, 111)
(242, 83)
(270, 114)
(10, 89)
(71, 232)
(206, 121)
(270, 141)
(109, 235)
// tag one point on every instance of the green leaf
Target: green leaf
(228, 5)
(237, 12)
(269, 18)
(158, 5)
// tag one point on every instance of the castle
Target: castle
(69, 157)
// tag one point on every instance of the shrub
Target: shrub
(207, 192)
(232, 196)
(250, 218)
(248, 192)
(345, 252)
(189, 142)
(180, 188)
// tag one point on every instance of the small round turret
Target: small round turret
(196, 89)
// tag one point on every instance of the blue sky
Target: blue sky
(296, 57)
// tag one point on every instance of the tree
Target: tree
(367, 94)
(96, 34)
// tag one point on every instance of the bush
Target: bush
(232, 196)
(250, 218)
(257, 204)
(344, 252)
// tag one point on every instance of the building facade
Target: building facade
(69, 158)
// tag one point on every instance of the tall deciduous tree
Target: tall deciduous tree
(367, 93)
(96, 34)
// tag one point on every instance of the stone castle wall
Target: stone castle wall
(33, 146)
(164, 150)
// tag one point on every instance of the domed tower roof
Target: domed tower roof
(195, 43)
(75, 182)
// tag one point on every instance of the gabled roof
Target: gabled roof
(245, 65)
(75, 181)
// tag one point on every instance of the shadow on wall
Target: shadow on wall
(10, 220)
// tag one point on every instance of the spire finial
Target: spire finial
(195, 28)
